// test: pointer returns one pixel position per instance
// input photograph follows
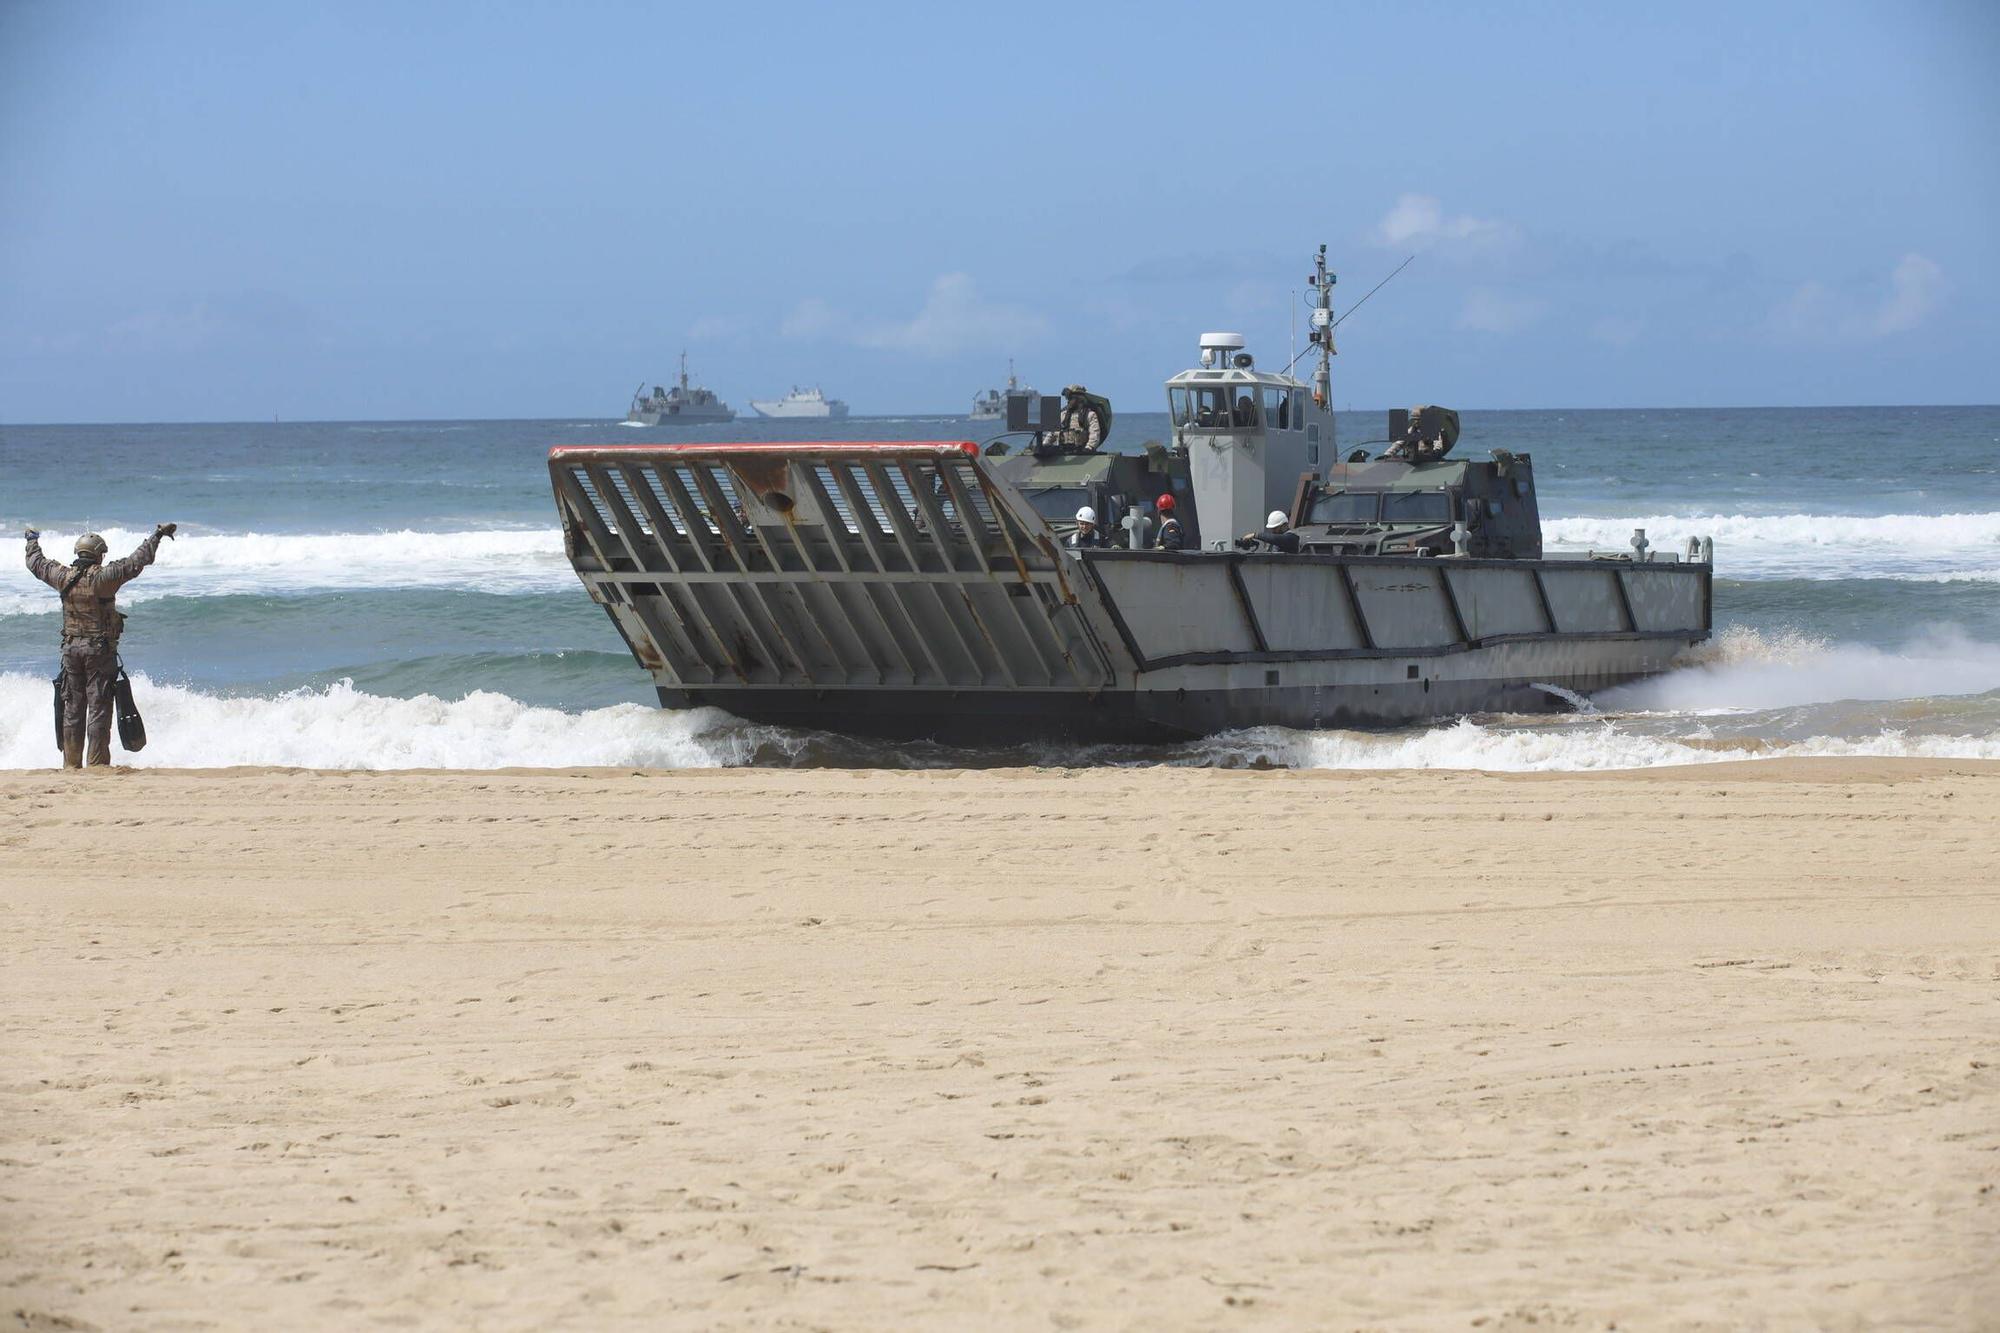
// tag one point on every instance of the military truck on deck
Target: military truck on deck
(1118, 486)
(924, 589)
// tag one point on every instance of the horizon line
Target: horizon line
(960, 416)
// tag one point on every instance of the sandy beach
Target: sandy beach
(1708, 1047)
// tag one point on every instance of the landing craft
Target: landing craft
(925, 589)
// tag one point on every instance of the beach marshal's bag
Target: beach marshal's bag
(131, 727)
(59, 685)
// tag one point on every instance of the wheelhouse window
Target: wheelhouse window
(1281, 409)
(1345, 507)
(1416, 507)
(1202, 408)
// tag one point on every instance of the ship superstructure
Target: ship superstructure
(800, 403)
(683, 403)
(992, 404)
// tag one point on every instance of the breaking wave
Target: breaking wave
(1814, 546)
(1468, 745)
(504, 560)
(344, 728)
(1746, 696)
(1946, 548)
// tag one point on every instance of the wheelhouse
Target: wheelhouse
(1248, 434)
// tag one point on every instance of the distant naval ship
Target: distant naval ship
(683, 402)
(800, 403)
(992, 405)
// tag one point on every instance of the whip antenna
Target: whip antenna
(1376, 288)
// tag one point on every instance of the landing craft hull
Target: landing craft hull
(1148, 715)
(904, 591)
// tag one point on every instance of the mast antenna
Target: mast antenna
(1322, 330)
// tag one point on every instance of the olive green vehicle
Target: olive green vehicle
(1122, 488)
(926, 589)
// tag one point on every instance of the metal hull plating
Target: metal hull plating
(904, 591)
(1500, 679)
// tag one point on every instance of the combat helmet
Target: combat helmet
(90, 548)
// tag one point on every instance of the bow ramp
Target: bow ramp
(825, 565)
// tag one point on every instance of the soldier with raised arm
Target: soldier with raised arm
(90, 630)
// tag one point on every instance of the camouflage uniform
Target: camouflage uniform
(1082, 426)
(90, 630)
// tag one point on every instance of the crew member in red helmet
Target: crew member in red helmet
(1173, 537)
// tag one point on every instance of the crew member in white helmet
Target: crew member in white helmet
(1275, 535)
(1086, 533)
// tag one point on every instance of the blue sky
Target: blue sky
(230, 211)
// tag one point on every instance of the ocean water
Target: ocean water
(393, 594)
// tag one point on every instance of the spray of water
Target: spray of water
(1743, 669)
(1746, 695)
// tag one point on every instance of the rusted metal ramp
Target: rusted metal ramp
(824, 566)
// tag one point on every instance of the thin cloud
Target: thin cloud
(1815, 312)
(812, 318)
(227, 319)
(1916, 288)
(954, 319)
(1419, 222)
(718, 328)
(1489, 311)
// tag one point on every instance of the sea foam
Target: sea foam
(1934, 548)
(340, 727)
(1468, 745)
(502, 560)
(1814, 546)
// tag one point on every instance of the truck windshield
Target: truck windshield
(1059, 503)
(1345, 507)
(1416, 507)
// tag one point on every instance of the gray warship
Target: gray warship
(927, 590)
(799, 403)
(992, 404)
(684, 402)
